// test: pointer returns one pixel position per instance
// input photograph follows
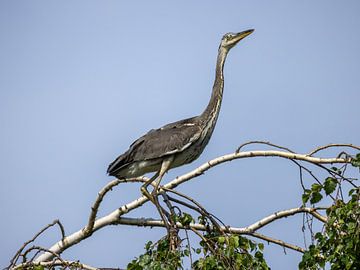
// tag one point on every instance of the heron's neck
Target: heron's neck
(212, 110)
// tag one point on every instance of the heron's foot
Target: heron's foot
(146, 193)
(153, 197)
(155, 192)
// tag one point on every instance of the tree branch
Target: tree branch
(285, 213)
(113, 217)
(51, 264)
(94, 209)
(333, 145)
(277, 241)
(149, 222)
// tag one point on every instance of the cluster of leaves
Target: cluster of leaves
(314, 194)
(216, 251)
(158, 256)
(339, 243)
(356, 161)
(230, 252)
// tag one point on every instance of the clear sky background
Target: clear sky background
(80, 80)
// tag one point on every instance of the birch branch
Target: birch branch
(333, 145)
(114, 216)
(149, 222)
(277, 241)
(51, 264)
(285, 213)
(94, 209)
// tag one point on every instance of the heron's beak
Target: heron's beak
(241, 35)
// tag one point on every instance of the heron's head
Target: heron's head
(229, 40)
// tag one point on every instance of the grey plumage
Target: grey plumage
(181, 142)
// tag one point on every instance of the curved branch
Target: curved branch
(149, 222)
(94, 209)
(333, 145)
(18, 253)
(263, 142)
(285, 213)
(57, 262)
(277, 241)
(112, 218)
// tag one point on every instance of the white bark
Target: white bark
(114, 217)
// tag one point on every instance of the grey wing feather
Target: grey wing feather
(169, 139)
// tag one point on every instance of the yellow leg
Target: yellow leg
(165, 165)
(144, 190)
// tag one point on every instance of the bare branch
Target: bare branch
(94, 209)
(276, 241)
(199, 208)
(57, 262)
(285, 213)
(18, 253)
(263, 142)
(333, 145)
(114, 216)
(148, 222)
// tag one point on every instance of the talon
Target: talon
(154, 193)
(144, 191)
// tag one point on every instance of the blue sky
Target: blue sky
(80, 80)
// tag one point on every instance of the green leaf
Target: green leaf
(221, 240)
(316, 187)
(330, 185)
(315, 197)
(261, 246)
(356, 161)
(306, 196)
(148, 245)
(186, 219)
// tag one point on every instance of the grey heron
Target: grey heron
(177, 143)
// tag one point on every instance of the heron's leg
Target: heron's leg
(165, 166)
(143, 188)
(153, 199)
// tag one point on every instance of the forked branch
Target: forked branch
(116, 216)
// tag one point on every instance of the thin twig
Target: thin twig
(276, 241)
(333, 145)
(199, 208)
(312, 175)
(206, 241)
(189, 247)
(263, 142)
(17, 255)
(57, 256)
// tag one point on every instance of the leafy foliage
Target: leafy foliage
(216, 250)
(356, 161)
(230, 252)
(158, 256)
(339, 243)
